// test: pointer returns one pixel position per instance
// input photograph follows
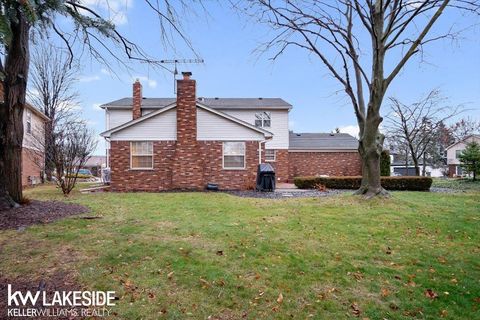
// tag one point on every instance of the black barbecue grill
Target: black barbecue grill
(265, 177)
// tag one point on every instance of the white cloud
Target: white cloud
(151, 83)
(88, 78)
(115, 10)
(354, 131)
(350, 129)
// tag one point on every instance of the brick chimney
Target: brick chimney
(137, 100)
(187, 162)
(186, 110)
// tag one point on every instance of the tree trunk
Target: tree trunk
(370, 148)
(11, 111)
(417, 167)
(49, 149)
(474, 171)
(424, 166)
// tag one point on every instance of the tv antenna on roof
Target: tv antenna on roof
(175, 70)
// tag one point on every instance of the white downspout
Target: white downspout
(260, 151)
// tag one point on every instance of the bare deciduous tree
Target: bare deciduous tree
(416, 124)
(465, 127)
(52, 80)
(353, 39)
(73, 146)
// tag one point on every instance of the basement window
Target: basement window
(269, 155)
(234, 155)
(263, 119)
(141, 155)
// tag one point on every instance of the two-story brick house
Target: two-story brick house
(186, 142)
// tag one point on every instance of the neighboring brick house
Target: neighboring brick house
(453, 153)
(33, 149)
(156, 144)
(316, 154)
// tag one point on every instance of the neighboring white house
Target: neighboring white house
(453, 153)
(398, 168)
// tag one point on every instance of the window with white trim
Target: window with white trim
(269, 155)
(458, 153)
(263, 119)
(234, 155)
(141, 155)
(29, 122)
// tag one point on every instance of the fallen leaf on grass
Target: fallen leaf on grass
(170, 275)
(393, 306)
(429, 293)
(205, 283)
(219, 253)
(357, 275)
(280, 298)
(442, 260)
(443, 313)
(388, 251)
(355, 309)
(385, 292)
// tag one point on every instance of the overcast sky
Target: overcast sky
(226, 41)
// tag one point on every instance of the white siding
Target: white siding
(451, 153)
(214, 127)
(279, 125)
(159, 127)
(118, 117)
(35, 139)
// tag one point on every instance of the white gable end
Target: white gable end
(160, 127)
(213, 127)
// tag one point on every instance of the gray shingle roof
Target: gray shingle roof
(322, 141)
(216, 103)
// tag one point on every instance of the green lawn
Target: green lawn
(456, 183)
(195, 255)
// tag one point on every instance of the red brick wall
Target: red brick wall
(32, 165)
(125, 179)
(324, 163)
(229, 179)
(162, 176)
(281, 165)
(452, 170)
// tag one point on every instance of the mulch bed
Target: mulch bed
(38, 212)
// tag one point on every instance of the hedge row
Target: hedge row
(389, 183)
(79, 176)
